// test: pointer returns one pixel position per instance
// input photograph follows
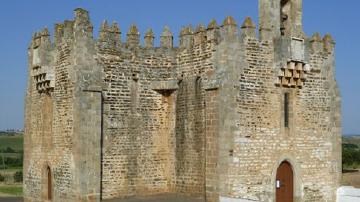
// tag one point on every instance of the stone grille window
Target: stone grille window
(286, 110)
(293, 74)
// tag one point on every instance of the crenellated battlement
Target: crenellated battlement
(324, 45)
(288, 49)
(41, 38)
(110, 34)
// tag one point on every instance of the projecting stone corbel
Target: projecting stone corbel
(164, 87)
(212, 84)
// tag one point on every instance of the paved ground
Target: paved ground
(159, 198)
(10, 199)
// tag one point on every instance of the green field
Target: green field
(11, 148)
(15, 142)
(13, 190)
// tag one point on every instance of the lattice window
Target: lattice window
(293, 74)
(44, 78)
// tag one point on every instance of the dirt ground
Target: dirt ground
(351, 178)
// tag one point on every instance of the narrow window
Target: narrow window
(134, 94)
(286, 110)
(284, 15)
(49, 184)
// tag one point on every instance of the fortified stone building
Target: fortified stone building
(226, 116)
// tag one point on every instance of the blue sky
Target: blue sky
(19, 19)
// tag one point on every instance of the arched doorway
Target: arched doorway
(49, 184)
(284, 183)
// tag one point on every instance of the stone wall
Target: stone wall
(48, 135)
(253, 139)
(138, 151)
(153, 133)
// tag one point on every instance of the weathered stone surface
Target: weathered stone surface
(114, 119)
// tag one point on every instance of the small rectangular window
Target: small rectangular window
(286, 110)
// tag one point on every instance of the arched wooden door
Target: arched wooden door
(284, 183)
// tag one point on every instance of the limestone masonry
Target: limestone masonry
(215, 117)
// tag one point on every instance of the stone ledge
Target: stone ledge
(212, 84)
(164, 85)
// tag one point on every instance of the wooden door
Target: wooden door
(49, 184)
(284, 183)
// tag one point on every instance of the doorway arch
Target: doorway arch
(284, 184)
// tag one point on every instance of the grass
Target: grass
(8, 171)
(14, 169)
(12, 155)
(15, 142)
(15, 190)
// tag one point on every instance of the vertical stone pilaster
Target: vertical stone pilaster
(87, 144)
(211, 153)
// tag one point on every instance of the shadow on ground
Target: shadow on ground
(159, 198)
(10, 199)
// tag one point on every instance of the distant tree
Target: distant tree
(350, 156)
(350, 146)
(2, 162)
(9, 150)
(18, 176)
(347, 157)
(2, 178)
(13, 162)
